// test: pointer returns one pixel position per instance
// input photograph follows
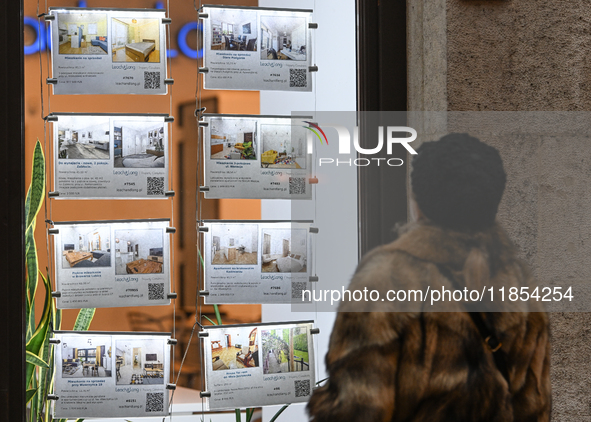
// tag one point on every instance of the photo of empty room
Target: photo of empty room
(139, 361)
(85, 247)
(79, 138)
(82, 33)
(284, 251)
(139, 251)
(233, 30)
(285, 350)
(138, 144)
(86, 358)
(135, 40)
(283, 38)
(283, 146)
(234, 348)
(234, 244)
(233, 139)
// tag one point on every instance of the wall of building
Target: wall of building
(522, 56)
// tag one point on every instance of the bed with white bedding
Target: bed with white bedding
(291, 263)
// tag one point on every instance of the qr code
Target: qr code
(155, 185)
(155, 291)
(297, 288)
(154, 402)
(302, 388)
(297, 185)
(297, 78)
(151, 80)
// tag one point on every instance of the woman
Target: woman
(400, 360)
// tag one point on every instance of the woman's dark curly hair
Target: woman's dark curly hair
(458, 182)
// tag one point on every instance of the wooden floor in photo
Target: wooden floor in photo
(82, 151)
(244, 258)
(119, 55)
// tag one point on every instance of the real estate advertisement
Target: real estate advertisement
(259, 365)
(108, 51)
(104, 264)
(257, 261)
(258, 157)
(101, 374)
(257, 48)
(110, 156)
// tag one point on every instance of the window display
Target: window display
(110, 264)
(258, 365)
(262, 157)
(257, 48)
(107, 51)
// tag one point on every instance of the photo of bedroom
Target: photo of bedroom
(234, 348)
(284, 251)
(82, 33)
(79, 138)
(283, 146)
(139, 361)
(135, 40)
(233, 30)
(234, 244)
(86, 358)
(285, 350)
(139, 251)
(138, 144)
(283, 38)
(233, 139)
(85, 247)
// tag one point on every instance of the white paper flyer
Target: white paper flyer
(109, 156)
(106, 375)
(104, 264)
(257, 261)
(108, 51)
(259, 365)
(259, 157)
(252, 48)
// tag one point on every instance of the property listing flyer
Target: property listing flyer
(108, 156)
(108, 51)
(100, 374)
(257, 261)
(258, 157)
(103, 264)
(251, 48)
(259, 365)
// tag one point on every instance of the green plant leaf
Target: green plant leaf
(36, 360)
(249, 413)
(279, 412)
(207, 318)
(218, 317)
(30, 394)
(39, 337)
(37, 188)
(31, 280)
(84, 319)
(237, 411)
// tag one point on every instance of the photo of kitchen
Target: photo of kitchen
(233, 139)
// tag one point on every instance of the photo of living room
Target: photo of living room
(78, 138)
(85, 247)
(234, 244)
(135, 40)
(283, 146)
(233, 139)
(86, 358)
(82, 33)
(234, 348)
(138, 144)
(284, 251)
(233, 30)
(283, 38)
(139, 361)
(285, 350)
(138, 251)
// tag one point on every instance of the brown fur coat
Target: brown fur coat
(434, 366)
